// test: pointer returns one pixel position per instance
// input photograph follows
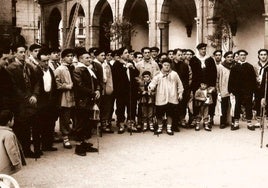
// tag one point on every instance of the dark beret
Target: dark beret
(154, 49)
(98, 51)
(92, 50)
(167, 60)
(34, 46)
(120, 51)
(43, 51)
(67, 51)
(227, 53)
(244, 51)
(189, 50)
(216, 51)
(54, 49)
(201, 45)
(263, 50)
(80, 51)
(16, 46)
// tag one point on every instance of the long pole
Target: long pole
(264, 110)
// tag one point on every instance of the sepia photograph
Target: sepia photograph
(133, 93)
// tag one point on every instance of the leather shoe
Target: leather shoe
(67, 145)
(170, 132)
(233, 128)
(31, 154)
(80, 150)
(91, 149)
(252, 128)
(176, 129)
(108, 130)
(207, 128)
(121, 130)
(49, 149)
(222, 126)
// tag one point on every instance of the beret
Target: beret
(216, 51)
(239, 51)
(154, 49)
(98, 51)
(67, 51)
(34, 46)
(263, 50)
(189, 50)
(201, 45)
(80, 51)
(227, 53)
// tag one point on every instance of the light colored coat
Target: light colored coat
(167, 86)
(10, 157)
(222, 81)
(65, 84)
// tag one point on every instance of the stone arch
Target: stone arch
(178, 25)
(53, 31)
(102, 17)
(136, 12)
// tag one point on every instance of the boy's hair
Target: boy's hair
(146, 73)
(5, 116)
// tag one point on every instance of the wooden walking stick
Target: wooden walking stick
(263, 110)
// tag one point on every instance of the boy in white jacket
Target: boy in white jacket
(168, 92)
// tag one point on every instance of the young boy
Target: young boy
(11, 156)
(203, 99)
(147, 102)
(169, 89)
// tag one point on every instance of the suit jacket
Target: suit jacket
(122, 85)
(97, 68)
(195, 65)
(85, 87)
(210, 72)
(183, 71)
(48, 102)
(6, 90)
(23, 89)
(242, 79)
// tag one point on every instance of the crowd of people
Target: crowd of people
(147, 90)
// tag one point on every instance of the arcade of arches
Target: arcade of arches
(167, 24)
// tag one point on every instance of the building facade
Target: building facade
(168, 24)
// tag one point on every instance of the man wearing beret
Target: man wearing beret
(54, 60)
(242, 87)
(34, 49)
(87, 92)
(125, 90)
(65, 86)
(261, 71)
(212, 64)
(222, 86)
(198, 66)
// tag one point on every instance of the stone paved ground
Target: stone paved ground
(189, 159)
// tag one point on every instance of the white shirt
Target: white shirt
(47, 80)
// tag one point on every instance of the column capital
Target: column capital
(162, 24)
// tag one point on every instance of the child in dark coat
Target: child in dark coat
(147, 102)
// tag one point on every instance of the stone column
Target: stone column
(265, 30)
(64, 22)
(94, 36)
